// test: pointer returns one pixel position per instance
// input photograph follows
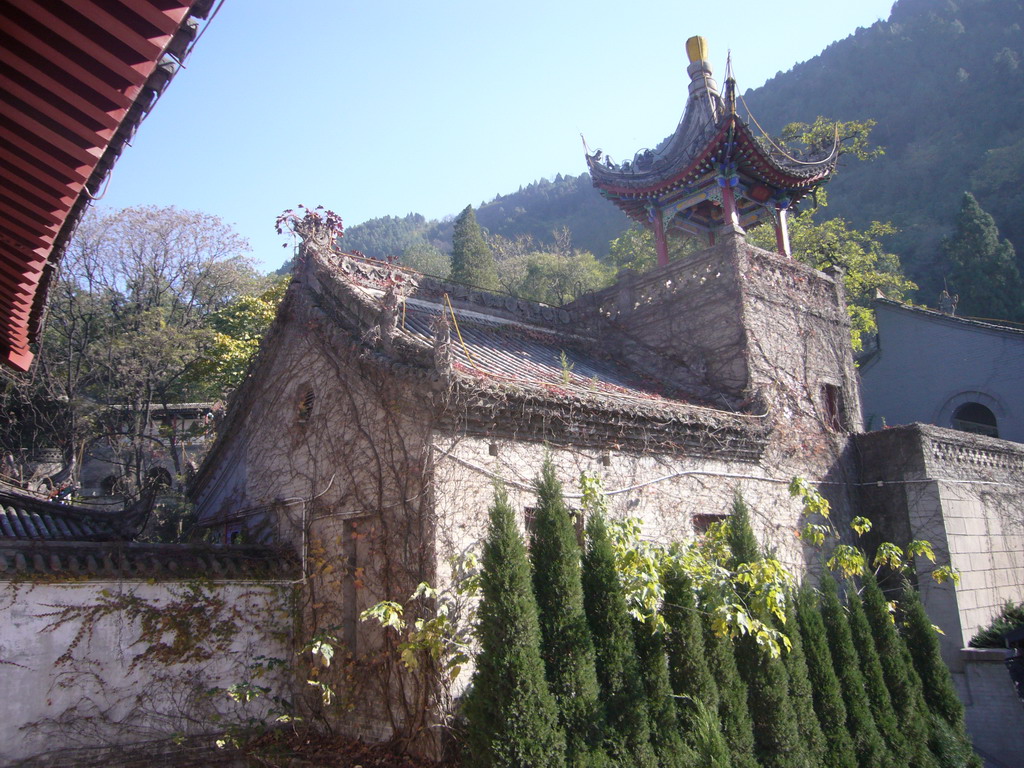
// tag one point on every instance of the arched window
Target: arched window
(159, 476)
(975, 417)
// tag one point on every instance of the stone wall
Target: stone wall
(965, 494)
(734, 322)
(80, 674)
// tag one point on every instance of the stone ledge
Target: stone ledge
(984, 655)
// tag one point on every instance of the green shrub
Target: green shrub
(871, 749)
(628, 735)
(828, 697)
(1010, 617)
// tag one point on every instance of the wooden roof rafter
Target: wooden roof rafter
(76, 79)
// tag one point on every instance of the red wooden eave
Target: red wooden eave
(76, 78)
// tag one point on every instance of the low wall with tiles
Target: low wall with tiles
(106, 649)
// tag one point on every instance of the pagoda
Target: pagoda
(713, 174)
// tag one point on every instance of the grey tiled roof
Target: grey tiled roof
(30, 518)
(527, 355)
(131, 560)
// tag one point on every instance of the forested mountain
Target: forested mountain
(537, 210)
(944, 81)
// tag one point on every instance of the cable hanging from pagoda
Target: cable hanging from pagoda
(784, 153)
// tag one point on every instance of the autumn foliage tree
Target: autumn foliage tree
(128, 319)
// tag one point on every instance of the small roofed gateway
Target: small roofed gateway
(714, 171)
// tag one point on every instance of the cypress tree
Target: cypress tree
(869, 745)
(566, 645)
(472, 260)
(666, 738)
(983, 269)
(828, 698)
(948, 732)
(689, 673)
(776, 733)
(742, 542)
(733, 710)
(874, 679)
(800, 692)
(510, 713)
(901, 680)
(627, 733)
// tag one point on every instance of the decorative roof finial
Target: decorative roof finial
(730, 85)
(697, 49)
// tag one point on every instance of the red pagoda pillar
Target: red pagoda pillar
(732, 216)
(659, 238)
(782, 232)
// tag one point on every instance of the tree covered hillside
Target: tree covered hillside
(539, 210)
(944, 81)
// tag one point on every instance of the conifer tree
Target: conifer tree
(948, 734)
(800, 691)
(472, 260)
(983, 269)
(627, 734)
(776, 733)
(733, 709)
(901, 680)
(566, 645)
(828, 698)
(510, 713)
(666, 738)
(743, 543)
(868, 743)
(874, 679)
(689, 673)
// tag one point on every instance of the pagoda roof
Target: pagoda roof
(76, 79)
(709, 135)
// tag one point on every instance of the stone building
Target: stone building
(385, 404)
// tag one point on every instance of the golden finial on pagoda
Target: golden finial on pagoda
(697, 49)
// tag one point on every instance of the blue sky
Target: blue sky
(377, 108)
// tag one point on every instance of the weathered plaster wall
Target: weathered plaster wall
(665, 492)
(928, 363)
(325, 449)
(63, 691)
